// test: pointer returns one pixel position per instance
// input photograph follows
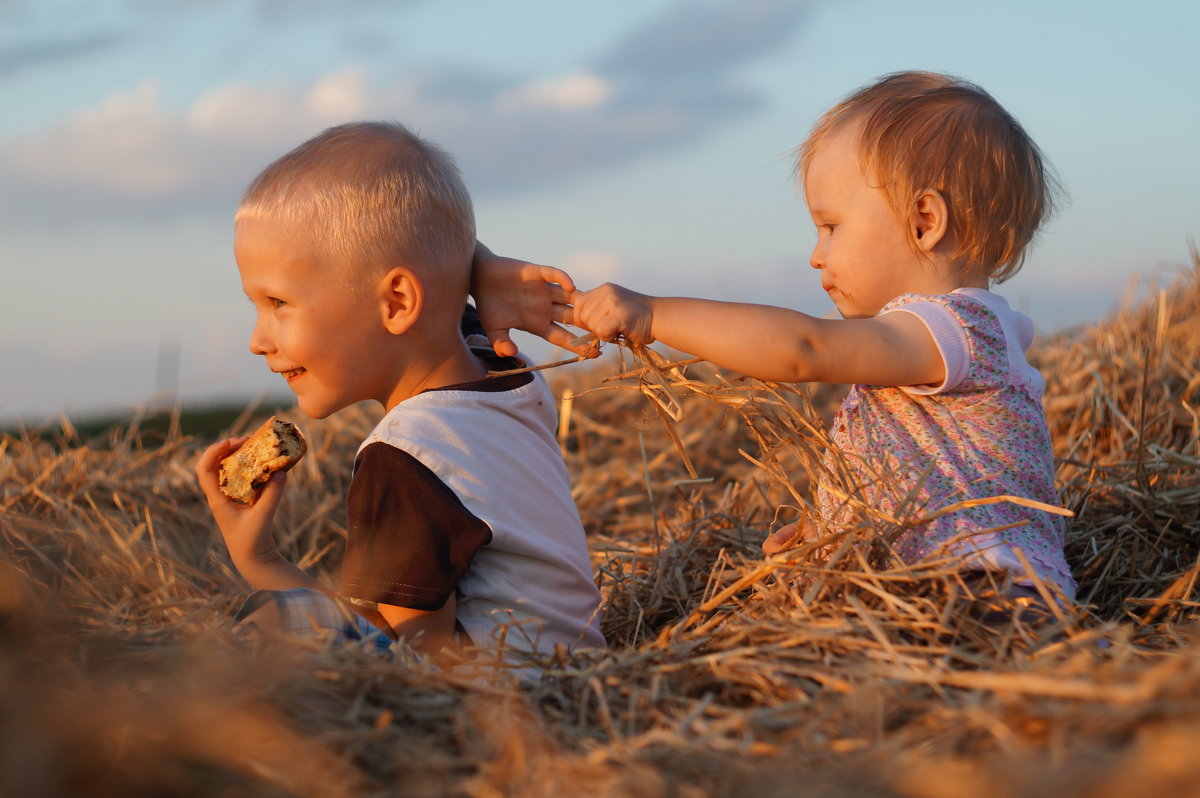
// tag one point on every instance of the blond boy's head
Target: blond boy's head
(369, 196)
(921, 131)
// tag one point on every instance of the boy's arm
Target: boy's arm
(767, 342)
(426, 630)
(515, 295)
(247, 530)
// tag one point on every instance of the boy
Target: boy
(355, 249)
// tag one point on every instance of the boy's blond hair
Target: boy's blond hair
(373, 194)
(922, 130)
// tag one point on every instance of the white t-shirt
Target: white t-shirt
(523, 573)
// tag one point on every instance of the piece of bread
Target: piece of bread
(275, 446)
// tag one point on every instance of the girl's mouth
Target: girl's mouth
(291, 374)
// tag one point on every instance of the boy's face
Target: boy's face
(312, 328)
(862, 249)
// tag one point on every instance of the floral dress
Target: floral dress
(982, 433)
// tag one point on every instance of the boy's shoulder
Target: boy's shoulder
(511, 406)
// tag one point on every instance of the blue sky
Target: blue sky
(644, 142)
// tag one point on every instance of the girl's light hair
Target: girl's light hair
(920, 131)
(372, 194)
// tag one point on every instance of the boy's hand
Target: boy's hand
(613, 312)
(246, 530)
(515, 295)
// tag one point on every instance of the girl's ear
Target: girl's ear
(930, 219)
(402, 296)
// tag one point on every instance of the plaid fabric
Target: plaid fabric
(308, 613)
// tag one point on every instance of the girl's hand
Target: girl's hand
(786, 537)
(613, 312)
(246, 530)
(515, 295)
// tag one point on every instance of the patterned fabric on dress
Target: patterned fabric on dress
(982, 433)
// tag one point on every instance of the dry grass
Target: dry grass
(728, 674)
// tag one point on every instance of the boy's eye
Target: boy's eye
(276, 302)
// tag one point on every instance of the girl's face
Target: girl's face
(863, 251)
(311, 327)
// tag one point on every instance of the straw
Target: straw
(832, 669)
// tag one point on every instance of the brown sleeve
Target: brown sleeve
(410, 537)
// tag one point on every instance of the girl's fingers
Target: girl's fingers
(781, 538)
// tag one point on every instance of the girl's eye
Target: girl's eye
(276, 302)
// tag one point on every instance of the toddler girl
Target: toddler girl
(923, 190)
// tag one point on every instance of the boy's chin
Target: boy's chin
(318, 410)
(315, 410)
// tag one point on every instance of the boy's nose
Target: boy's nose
(260, 342)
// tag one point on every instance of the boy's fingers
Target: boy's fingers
(561, 295)
(564, 314)
(502, 344)
(549, 274)
(211, 459)
(269, 499)
(564, 338)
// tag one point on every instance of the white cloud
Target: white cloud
(340, 96)
(275, 113)
(125, 144)
(576, 91)
(254, 109)
(133, 153)
(133, 156)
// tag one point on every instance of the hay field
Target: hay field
(830, 670)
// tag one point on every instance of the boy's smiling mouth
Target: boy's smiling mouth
(290, 374)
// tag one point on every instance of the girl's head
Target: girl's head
(920, 132)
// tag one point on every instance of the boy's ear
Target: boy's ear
(930, 219)
(402, 296)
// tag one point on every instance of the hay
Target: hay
(832, 669)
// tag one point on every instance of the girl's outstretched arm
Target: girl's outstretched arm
(767, 342)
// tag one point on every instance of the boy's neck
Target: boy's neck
(430, 366)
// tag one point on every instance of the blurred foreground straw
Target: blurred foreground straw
(833, 669)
